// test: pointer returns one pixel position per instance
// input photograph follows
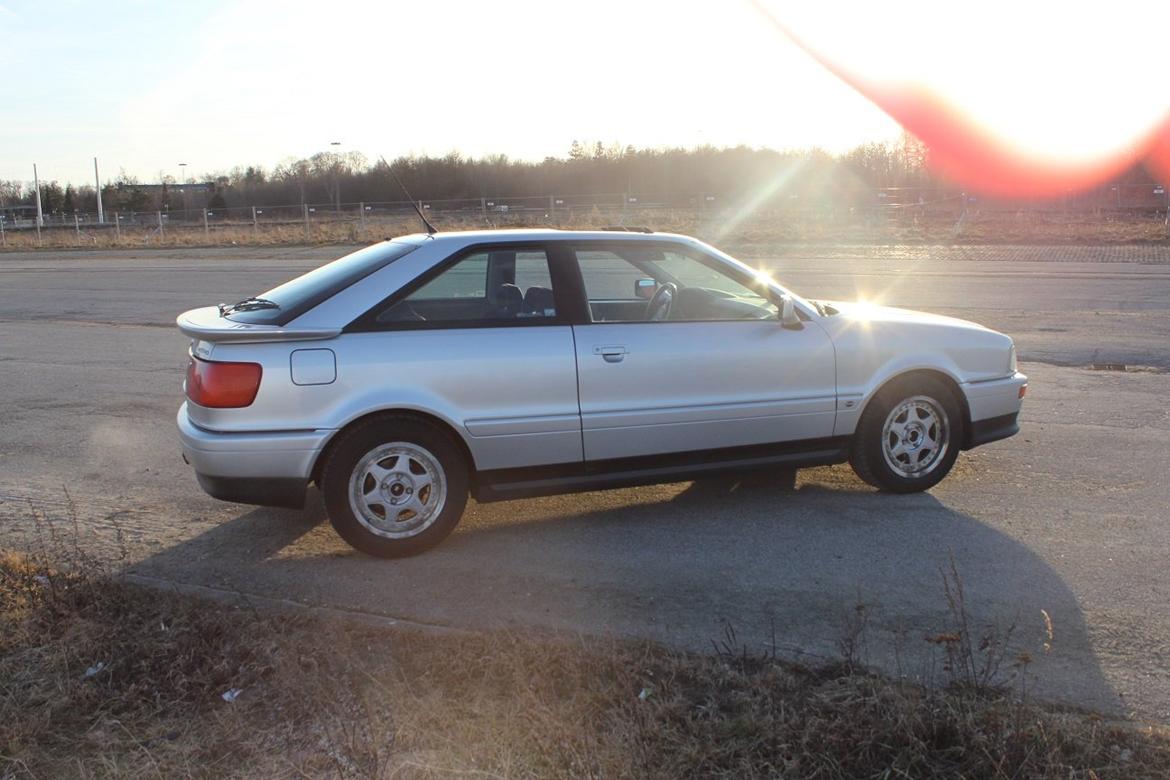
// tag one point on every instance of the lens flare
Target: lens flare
(757, 199)
(1012, 99)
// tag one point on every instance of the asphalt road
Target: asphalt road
(1069, 517)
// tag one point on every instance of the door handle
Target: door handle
(613, 353)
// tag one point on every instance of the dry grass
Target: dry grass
(760, 232)
(100, 678)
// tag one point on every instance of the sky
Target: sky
(144, 86)
(1046, 94)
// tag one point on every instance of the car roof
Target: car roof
(465, 237)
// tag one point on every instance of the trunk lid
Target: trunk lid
(207, 324)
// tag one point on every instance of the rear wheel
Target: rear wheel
(908, 437)
(395, 486)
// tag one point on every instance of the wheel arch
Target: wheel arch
(949, 381)
(435, 420)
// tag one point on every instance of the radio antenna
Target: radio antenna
(414, 204)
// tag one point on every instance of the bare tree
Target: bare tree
(298, 172)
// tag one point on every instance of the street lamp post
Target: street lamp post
(183, 185)
(336, 178)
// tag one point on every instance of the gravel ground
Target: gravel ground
(1068, 517)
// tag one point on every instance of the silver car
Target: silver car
(407, 375)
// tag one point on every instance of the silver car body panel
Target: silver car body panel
(702, 385)
(559, 393)
(249, 454)
(874, 344)
(510, 393)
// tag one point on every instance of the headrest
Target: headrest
(539, 300)
(507, 296)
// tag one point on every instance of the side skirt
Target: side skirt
(505, 484)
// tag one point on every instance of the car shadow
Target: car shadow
(751, 563)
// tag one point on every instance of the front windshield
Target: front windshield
(688, 273)
(764, 276)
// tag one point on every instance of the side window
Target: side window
(611, 286)
(608, 276)
(532, 271)
(467, 279)
(647, 284)
(486, 288)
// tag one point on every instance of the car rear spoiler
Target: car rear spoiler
(207, 324)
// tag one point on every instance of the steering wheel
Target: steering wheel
(658, 308)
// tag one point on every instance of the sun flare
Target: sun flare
(1011, 97)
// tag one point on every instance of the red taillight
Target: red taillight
(222, 385)
(1023, 390)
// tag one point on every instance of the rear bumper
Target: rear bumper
(995, 409)
(262, 491)
(271, 469)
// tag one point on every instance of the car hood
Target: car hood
(886, 339)
(862, 311)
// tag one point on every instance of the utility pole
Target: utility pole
(37, 187)
(336, 177)
(98, 183)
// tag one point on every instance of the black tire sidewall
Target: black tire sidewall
(354, 445)
(867, 457)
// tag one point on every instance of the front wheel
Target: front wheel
(909, 436)
(395, 486)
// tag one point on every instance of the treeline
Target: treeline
(729, 175)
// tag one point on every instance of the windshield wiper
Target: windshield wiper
(248, 304)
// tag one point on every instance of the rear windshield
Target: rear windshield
(297, 296)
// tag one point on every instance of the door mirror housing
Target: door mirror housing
(645, 288)
(789, 318)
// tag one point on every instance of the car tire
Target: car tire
(909, 436)
(395, 485)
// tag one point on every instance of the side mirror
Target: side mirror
(788, 316)
(645, 288)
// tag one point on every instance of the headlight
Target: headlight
(1012, 365)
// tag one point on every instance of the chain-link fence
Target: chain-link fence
(360, 221)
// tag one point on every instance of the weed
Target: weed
(99, 677)
(974, 659)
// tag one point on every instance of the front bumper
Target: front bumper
(267, 468)
(995, 409)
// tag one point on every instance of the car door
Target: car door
(482, 342)
(720, 371)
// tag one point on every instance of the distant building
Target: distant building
(204, 188)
